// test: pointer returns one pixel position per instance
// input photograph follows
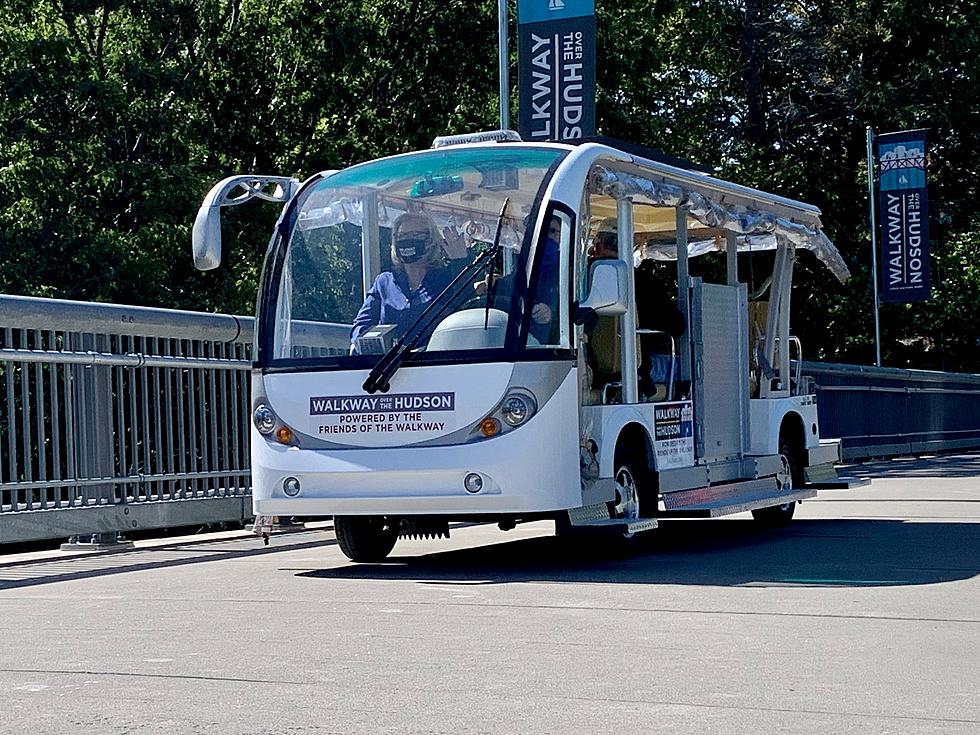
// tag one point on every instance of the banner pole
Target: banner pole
(874, 242)
(504, 80)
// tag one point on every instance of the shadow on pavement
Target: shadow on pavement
(49, 571)
(951, 465)
(833, 553)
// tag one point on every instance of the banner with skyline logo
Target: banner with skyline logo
(904, 215)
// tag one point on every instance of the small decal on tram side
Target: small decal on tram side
(673, 437)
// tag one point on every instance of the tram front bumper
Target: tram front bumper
(518, 475)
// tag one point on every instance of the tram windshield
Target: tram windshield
(446, 248)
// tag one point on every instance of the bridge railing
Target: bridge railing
(887, 412)
(116, 418)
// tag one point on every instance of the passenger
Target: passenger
(418, 274)
(655, 310)
(546, 293)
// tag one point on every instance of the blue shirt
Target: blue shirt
(546, 291)
(391, 301)
(548, 273)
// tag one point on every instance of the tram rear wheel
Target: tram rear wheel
(790, 476)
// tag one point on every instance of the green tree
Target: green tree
(116, 117)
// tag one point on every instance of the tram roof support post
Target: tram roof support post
(731, 257)
(631, 389)
(370, 243)
(784, 307)
(683, 291)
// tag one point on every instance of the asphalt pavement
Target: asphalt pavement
(862, 616)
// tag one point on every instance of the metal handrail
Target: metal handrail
(798, 372)
(109, 414)
(130, 359)
(794, 340)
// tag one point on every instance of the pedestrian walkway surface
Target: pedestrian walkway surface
(860, 617)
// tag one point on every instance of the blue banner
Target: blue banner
(556, 69)
(537, 11)
(904, 214)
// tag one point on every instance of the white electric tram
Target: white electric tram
(472, 402)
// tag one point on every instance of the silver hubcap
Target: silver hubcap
(628, 500)
(784, 478)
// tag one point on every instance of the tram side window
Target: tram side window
(326, 274)
(320, 292)
(549, 310)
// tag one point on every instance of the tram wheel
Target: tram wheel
(365, 538)
(790, 476)
(627, 505)
(633, 483)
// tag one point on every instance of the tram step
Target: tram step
(728, 505)
(841, 483)
(613, 524)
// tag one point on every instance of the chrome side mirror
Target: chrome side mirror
(206, 237)
(607, 294)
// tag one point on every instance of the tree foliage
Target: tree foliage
(117, 116)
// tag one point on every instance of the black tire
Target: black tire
(365, 538)
(564, 527)
(780, 515)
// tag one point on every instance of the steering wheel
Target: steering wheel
(474, 301)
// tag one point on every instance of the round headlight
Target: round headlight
(264, 418)
(517, 408)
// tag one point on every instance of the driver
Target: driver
(418, 274)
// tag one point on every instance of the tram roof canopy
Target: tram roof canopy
(759, 220)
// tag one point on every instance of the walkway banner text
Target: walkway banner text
(556, 70)
(904, 215)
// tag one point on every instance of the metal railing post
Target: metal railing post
(92, 403)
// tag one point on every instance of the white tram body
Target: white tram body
(473, 406)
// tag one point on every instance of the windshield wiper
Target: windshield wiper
(379, 378)
(492, 275)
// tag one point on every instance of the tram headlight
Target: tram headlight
(517, 408)
(264, 419)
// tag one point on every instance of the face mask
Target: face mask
(410, 250)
